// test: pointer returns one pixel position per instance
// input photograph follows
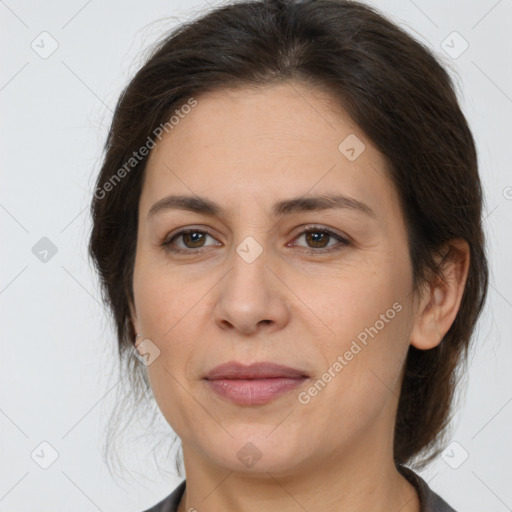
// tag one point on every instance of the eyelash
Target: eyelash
(167, 243)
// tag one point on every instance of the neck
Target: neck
(339, 483)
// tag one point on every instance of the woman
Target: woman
(287, 226)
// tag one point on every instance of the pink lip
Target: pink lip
(255, 384)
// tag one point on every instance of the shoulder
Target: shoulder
(171, 502)
(429, 500)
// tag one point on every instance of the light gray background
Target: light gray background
(56, 385)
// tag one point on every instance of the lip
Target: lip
(261, 370)
(255, 384)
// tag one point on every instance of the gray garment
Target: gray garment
(429, 500)
(170, 504)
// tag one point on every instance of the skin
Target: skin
(247, 149)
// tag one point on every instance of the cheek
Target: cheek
(366, 381)
(164, 300)
(173, 396)
(169, 307)
(363, 304)
(369, 316)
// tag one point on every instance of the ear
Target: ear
(133, 317)
(440, 300)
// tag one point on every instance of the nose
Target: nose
(252, 298)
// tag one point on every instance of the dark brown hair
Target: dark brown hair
(400, 96)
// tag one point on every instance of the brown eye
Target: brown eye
(319, 239)
(191, 239)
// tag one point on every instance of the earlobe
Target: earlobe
(440, 300)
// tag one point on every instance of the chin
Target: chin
(256, 454)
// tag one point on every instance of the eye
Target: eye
(318, 238)
(191, 238)
(194, 239)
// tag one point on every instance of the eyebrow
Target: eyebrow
(205, 206)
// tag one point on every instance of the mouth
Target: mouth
(256, 384)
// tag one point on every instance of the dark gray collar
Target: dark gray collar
(429, 500)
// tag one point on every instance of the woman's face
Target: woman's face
(250, 284)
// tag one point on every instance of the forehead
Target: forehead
(274, 142)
